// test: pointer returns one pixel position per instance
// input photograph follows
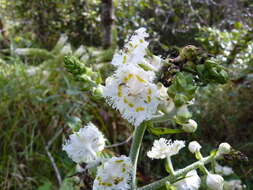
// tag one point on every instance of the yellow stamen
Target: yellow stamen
(148, 99)
(138, 109)
(129, 76)
(131, 105)
(149, 91)
(139, 78)
(119, 91)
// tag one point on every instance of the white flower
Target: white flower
(84, 145)
(218, 168)
(194, 147)
(134, 50)
(131, 91)
(223, 170)
(114, 174)
(227, 170)
(190, 127)
(191, 181)
(134, 53)
(163, 148)
(214, 181)
(156, 62)
(235, 184)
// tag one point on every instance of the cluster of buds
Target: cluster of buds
(84, 73)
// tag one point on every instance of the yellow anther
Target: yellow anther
(139, 78)
(119, 91)
(131, 105)
(148, 99)
(124, 59)
(138, 109)
(149, 91)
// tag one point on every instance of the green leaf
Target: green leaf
(74, 123)
(46, 186)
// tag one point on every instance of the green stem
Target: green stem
(170, 166)
(135, 149)
(160, 183)
(165, 117)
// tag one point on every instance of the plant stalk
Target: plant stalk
(170, 166)
(160, 183)
(135, 149)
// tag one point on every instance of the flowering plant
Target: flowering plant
(147, 89)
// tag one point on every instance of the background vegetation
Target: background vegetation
(39, 99)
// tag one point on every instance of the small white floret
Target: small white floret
(214, 181)
(114, 174)
(191, 181)
(163, 148)
(84, 145)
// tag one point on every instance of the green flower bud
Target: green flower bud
(97, 92)
(190, 127)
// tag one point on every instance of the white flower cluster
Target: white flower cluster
(131, 89)
(114, 174)
(84, 145)
(164, 148)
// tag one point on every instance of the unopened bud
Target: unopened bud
(194, 147)
(224, 148)
(214, 181)
(190, 127)
(98, 91)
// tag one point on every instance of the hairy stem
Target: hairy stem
(135, 149)
(160, 183)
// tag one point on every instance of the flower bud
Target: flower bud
(214, 181)
(190, 127)
(98, 91)
(224, 148)
(194, 147)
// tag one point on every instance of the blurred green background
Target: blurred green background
(38, 98)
